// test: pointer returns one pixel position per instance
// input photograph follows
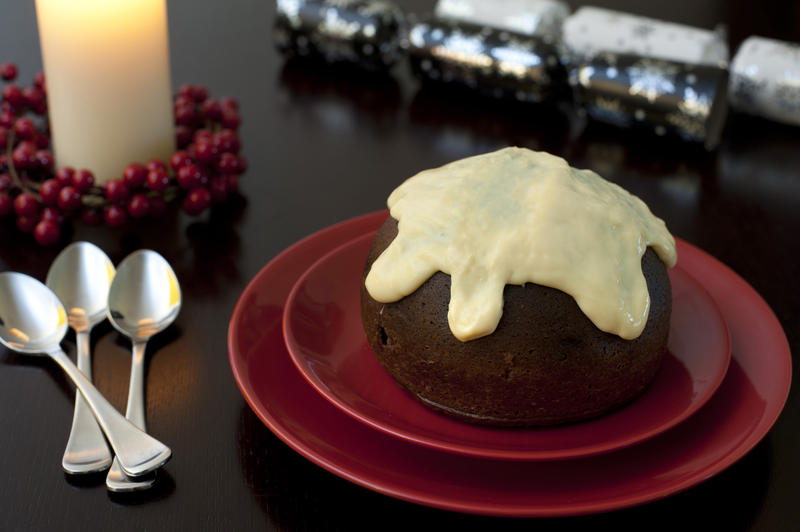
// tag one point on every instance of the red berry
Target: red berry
(42, 141)
(183, 136)
(91, 216)
(49, 191)
(23, 160)
(26, 204)
(24, 156)
(38, 81)
(199, 93)
(7, 119)
(34, 97)
(47, 233)
(179, 159)
(83, 180)
(219, 189)
(6, 204)
(230, 103)
(69, 199)
(211, 110)
(157, 179)
(228, 141)
(191, 176)
(64, 175)
(154, 164)
(157, 206)
(13, 95)
(5, 182)
(206, 152)
(25, 129)
(242, 165)
(202, 134)
(3, 138)
(27, 146)
(230, 118)
(185, 115)
(183, 101)
(44, 160)
(186, 90)
(233, 183)
(114, 216)
(197, 201)
(228, 164)
(116, 191)
(53, 215)
(27, 223)
(8, 71)
(134, 175)
(138, 206)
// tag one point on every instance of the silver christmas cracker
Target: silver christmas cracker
(591, 30)
(765, 79)
(363, 32)
(492, 61)
(666, 97)
(543, 18)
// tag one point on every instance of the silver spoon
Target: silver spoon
(144, 299)
(80, 277)
(33, 321)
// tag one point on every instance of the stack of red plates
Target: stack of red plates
(301, 359)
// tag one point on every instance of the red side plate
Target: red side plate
(324, 335)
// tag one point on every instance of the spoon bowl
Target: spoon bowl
(80, 276)
(33, 321)
(145, 297)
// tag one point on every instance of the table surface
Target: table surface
(325, 145)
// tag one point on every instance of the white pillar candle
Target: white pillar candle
(108, 86)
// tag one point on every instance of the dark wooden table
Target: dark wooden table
(326, 145)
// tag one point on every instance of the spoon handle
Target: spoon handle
(138, 453)
(116, 480)
(87, 451)
(135, 411)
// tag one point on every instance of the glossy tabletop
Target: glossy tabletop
(328, 144)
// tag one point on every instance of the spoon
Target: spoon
(33, 321)
(80, 277)
(143, 300)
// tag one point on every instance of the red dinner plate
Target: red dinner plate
(734, 420)
(324, 336)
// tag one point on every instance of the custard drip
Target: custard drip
(515, 216)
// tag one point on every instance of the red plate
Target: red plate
(728, 426)
(324, 335)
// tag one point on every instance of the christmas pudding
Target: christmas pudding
(510, 289)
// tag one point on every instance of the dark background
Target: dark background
(325, 145)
